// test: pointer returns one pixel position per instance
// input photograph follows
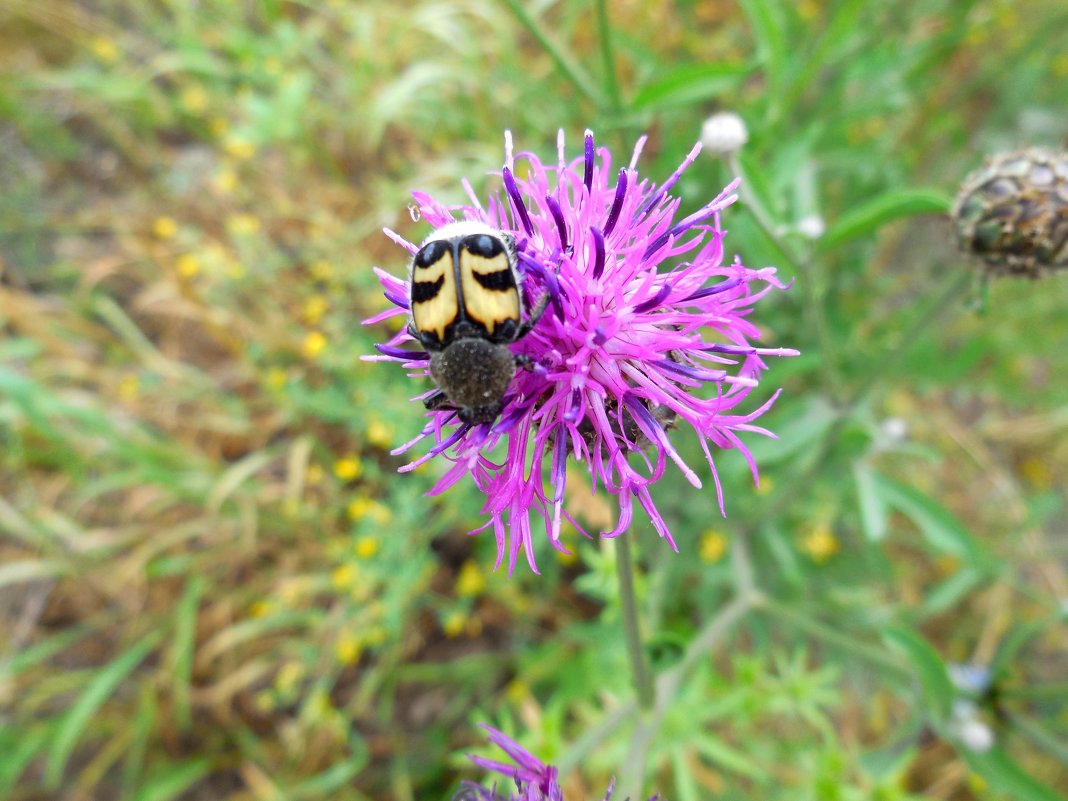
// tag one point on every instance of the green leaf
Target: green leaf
(689, 84)
(872, 507)
(685, 786)
(931, 671)
(721, 754)
(185, 623)
(100, 688)
(768, 30)
(890, 206)
(941, 529)
(173, 780)
(1005, 776)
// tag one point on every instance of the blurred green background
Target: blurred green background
(214, 584)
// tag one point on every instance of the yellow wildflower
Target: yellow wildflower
(820, 543)
(314, 308)
(129, 388)
(713, 546)
(348, 467)
(348, 649)
(164, 227)
(239, 148)
(379, 434)
(321, 270)
(243, 224)
(194, 99)
(454, 623)
(314, 344)
(471, 581)
(259, 609)
(104, 49)
(766, 486)
(366, 547)
(276, 378)
(345, 576)
(218, 126)
(187, 266)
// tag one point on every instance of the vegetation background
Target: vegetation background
(214, 584)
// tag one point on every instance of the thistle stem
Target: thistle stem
(643, 681)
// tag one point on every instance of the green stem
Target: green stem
(812, 305)
(610, 79)
(638, 667)
(570, 69)
(882, 368)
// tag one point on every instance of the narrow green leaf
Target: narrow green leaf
(872, 508)
(185, 624)
(173, 780)
(727, 757)
(689, 84)
(96, 693)
(685, 786)
(1005, 776)
(768, 31)
(892, 205)
(17, 754)
(329, 781)
(929, 667)
(939, 526)
(948, 592)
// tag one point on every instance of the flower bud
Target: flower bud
(724, 133)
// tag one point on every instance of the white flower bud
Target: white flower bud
(724, 133)
(811, 226)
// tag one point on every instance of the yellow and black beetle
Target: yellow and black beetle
(467, 305)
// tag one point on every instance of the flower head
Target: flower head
(646, 330)
(533, 780)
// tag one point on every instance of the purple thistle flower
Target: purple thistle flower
(534, 781)
(647, 330)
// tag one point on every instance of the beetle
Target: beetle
(466, 302)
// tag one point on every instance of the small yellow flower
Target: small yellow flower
(345, 577)
(129, 388)
(104, 49)
(164, 227)
(314, 344)
(187, 266)
(713, 546)
(517, 691)
(454, 623)
(259, 609)
(348, 468)
(194, 99)
(218, 126)
(820, 543)
(379, 434)
(314, 308)
(243, 224)
(364, 508)
(224, 181)
(348, 649)
(366, 547)
(276, 378)
(766, 486)
(471, 581)
(287, 677)
(321, 270)
(1037, 473)
(239, 148)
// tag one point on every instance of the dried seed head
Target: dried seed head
(1012, 214)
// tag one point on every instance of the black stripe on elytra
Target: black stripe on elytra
(422, 291)
(430, 254)
(483, 245)
(498, 281)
